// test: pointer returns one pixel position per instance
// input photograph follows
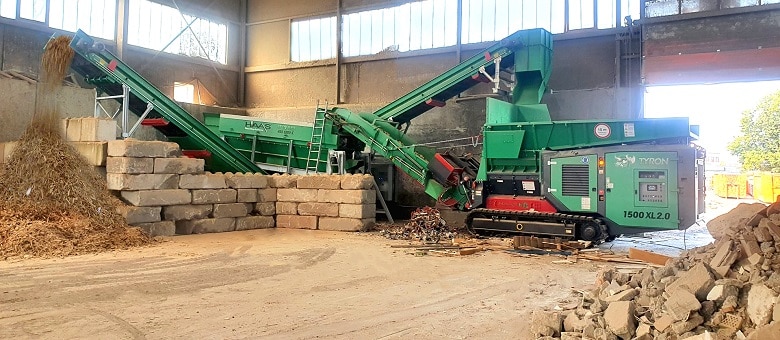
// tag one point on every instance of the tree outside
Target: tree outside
(758, 144)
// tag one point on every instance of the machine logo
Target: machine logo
(258, 126)
(625, 160)
(654, 161)
(602, 130)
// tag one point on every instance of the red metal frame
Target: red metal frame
(519, 203)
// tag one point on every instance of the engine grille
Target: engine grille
(575, 180)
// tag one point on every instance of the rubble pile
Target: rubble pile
(426, 224)
(729, 289)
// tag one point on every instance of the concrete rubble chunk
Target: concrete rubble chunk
(681, 327)
(719, 293)
(662, 323)
(213, 196)
(698, 280)
(283, 181)
(762, 233)
(246, 181)
(776, 310)
(546, 324)
(137, 148)
(357, 182)
(204, 226)
(150, 198)
(142, 181)
(254, 222)
(247, 195)
(347, 196)
(345, 224)
(626, 295)
(749, 244)
(179, 165)
(187, 212)
(296, 222)
(644, 332)
(719, 226)
(619, 317)
(760, 303)
(160, 228)
(573, 323)
(768, 332)
(703, 336)
(332, 182)
(223, 210)
(265, 208)
(318, 209)
(570, 336)
(129, 165)
(202, 181)
(138, 215)
(681, 303)
(296, 195)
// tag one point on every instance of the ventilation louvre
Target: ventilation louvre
(575, 180)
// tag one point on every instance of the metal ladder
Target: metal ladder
(315, 145)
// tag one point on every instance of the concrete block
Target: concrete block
(357, 210)
(142, 181)
(138, 215)
(150, 198)
(129, 165)
(246, 181)
(719, 293)
(644, 332)
(209, 225)
(681, 327)
(63, 129)
(213, 196)
(664, 322)
(319, 182)
(357, 182)
(265, 208)
(6, 149)
(698, 280)
(266, 195)
(230, 210)
(283, 181)
(749, 245)
(255, 222)
(318, 209)
(203, 181)
(296, 222)
(137, 148)
(573, 323)
(760, 302)
(247, 195)
(178, 165)
(187, 212)
(681, 303)
(98, 130)
(346, 196)
(73, 130)
(625, 295)
(286, 208)
(619, 317)
(94, 152)
(345, 224)
(296, 195)
(162, 228)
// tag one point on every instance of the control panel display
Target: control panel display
(652, 192)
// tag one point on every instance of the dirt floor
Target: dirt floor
(293, 284)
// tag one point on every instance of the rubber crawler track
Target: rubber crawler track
(535, 216)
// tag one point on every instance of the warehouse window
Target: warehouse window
(490, 20)
(313, 39)
(183, 92)
(412, 26)
(163, 28)
(33, 10)
(96, 17)
(8, 9)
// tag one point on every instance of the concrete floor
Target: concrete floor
(294, 284)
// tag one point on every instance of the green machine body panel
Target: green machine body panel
(273, 145)
(573, 182)
(642, 189)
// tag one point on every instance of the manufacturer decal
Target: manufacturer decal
(602, 130)
(624, 161)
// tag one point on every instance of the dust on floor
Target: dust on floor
(281, 283)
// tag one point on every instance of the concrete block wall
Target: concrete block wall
(325, 202)
(168, 194)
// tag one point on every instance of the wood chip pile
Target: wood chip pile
(52, 202)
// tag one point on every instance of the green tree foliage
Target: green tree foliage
(758, 145)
